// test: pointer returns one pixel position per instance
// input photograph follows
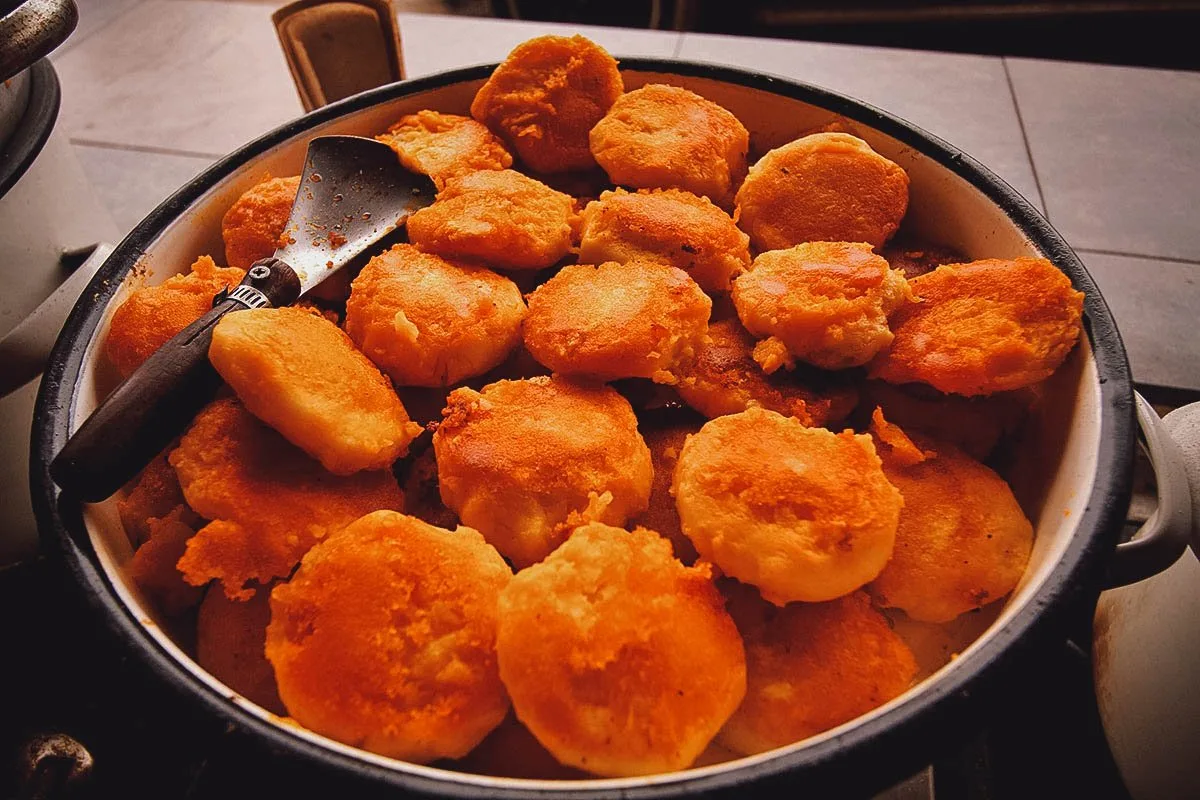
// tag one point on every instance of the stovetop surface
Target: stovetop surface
(62, 673)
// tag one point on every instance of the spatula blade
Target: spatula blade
(353, 192)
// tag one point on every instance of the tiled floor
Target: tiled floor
(156, 89)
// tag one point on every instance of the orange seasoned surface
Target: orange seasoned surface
(426, 321)
(153, 567)
(962, 542)
(801, 513)
(987, 326)
(302, 375)
(152, 315)
(268, 501)
(825, 303)
(618, 658)
(666, 137)
(254, 225)
(385, 638)
(811, 667)
(829, 187)
(501, 218)
(444, 146)
(669, 227)
(515, 459)
(545, 97)
(724, 379)
(634, 320)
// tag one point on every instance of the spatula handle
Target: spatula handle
(156, 403)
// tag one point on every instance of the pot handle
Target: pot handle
(24, 349)
(1163, 538)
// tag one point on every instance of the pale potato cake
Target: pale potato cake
(826, 187)
(618, 658)
(801, 513)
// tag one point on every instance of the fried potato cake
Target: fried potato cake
(302, 375)
(825, 303)
(426, 321)
(546, 96)
(963, 541)
(153, 569)
(665, 137)
(154, 494)
(975, 425)
(231, 638)
(268, 501)
(801, 513)
(152, 315)
(827, 187)
(634, 320)
(253, 226)
(618, 658)
(722, 379)
(385, 638)
(515, 459)
(445, 146)
(987, 326)
(669, 227)
(502, 218)
(811, 667)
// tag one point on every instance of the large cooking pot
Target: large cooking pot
(1071, 468)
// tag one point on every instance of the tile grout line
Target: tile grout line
(1037, 181)
(1151, 257)
(137, 148)
(72, 42)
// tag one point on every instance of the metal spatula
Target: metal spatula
(353, 192)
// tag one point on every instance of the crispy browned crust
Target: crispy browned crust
(445, 146)
(963, 540)
(385, 638)
(801, 513)
(987, 326)
(829, 187)
(254, 224)
(669, 227)
(826, 303)
(152, 315)
(426, 321)
(268, 501)
(811, 667)
(668, 137)
(302, 375)
(723, 379)
(517, 458)
(501, 218)
(618, 658)
(634, 320)
(546, 96)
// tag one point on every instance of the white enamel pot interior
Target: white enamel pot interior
(1071, 469)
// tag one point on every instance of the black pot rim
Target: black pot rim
(890, 742)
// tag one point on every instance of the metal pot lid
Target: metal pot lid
(31, 29)
(30, 133)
